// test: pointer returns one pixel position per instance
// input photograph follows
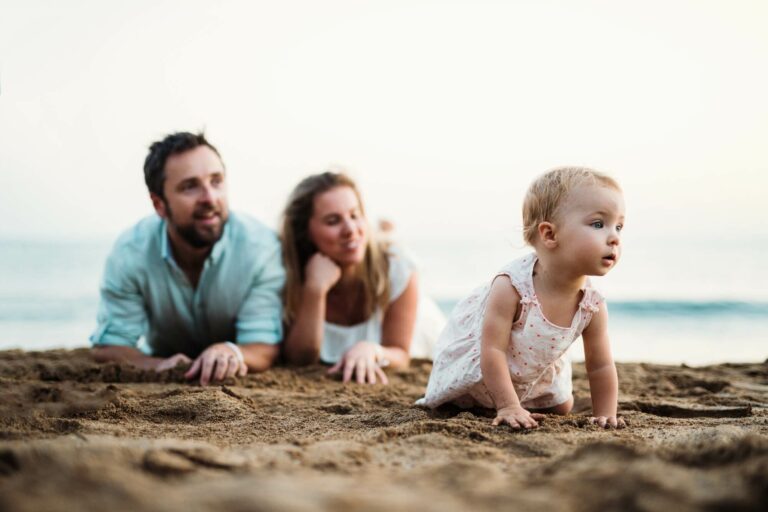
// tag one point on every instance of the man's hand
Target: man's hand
(170, 363)
(517, 417)
(216, 363)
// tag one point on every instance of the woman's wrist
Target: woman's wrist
(313, 289)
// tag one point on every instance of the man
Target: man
(202, 285)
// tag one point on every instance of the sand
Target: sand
(75, 435)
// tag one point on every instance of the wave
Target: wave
(50, 309)
(676, 308)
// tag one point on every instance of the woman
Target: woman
(349, 300)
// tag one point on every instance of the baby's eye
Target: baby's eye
(598, 224)
(619, 227)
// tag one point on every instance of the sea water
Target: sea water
(673, 303)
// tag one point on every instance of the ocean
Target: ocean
(673, 303)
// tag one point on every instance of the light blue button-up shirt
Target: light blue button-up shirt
(145, 293)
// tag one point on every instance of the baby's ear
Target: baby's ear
(547, 235)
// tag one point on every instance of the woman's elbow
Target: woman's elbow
(302, 357)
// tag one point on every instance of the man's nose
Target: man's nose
(208, 193)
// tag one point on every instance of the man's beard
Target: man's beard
(198, 238)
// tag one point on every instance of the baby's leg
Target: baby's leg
(561, 409)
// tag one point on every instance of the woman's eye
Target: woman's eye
(598, 224)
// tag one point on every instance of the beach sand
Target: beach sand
(75, 435)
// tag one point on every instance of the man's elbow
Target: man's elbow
(102, 354)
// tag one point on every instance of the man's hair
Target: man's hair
(548, 192)
(159, 152)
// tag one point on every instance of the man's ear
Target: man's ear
(547, 235)
(159, 204)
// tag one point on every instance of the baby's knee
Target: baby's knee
(563, 408)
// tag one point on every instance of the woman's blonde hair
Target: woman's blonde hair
(298, 246)
(548, 192)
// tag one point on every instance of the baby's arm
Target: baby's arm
(603, 381)
(497, 324)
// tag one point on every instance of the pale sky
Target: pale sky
(444, 111)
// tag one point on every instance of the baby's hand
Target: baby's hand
(517, 417)
(608, 421)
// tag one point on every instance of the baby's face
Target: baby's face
(589, 232)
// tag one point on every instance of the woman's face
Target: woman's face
(338, 227)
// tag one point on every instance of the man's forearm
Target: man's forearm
(117, 354)
(259, 356)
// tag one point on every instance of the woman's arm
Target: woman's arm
(601, 371)
(305, 335)
(362, 361)
(397, 327)
(497, 324)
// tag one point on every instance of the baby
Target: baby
(505, 345)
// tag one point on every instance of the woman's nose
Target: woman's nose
(347, 226)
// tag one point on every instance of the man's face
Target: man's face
(195, 203)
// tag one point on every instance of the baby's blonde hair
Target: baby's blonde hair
(547, 193)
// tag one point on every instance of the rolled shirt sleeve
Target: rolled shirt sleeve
(122, 318)
(260, 317)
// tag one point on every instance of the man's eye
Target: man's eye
(598, 224)
(217, 180)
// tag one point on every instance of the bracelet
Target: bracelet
(382, 361)
(236, 350)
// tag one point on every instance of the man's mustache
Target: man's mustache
(205, 211)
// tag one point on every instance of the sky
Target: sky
(443, 110)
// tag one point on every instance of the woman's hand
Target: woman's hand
(322, 273)
(361, 360)
(517, 417)
(608, 421)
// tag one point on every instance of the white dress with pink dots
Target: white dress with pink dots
(537, 359)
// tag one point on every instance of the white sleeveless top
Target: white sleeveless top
(337, 339)
(538, 364)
